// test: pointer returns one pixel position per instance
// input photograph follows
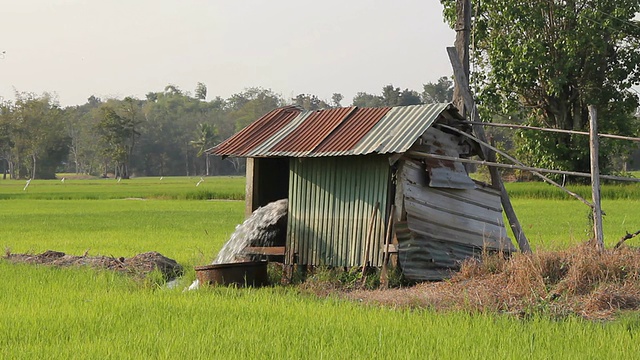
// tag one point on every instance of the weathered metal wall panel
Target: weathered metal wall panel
(332, 200)
(446, 225)
(443, 173)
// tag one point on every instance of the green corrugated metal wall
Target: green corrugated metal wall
(331, 202)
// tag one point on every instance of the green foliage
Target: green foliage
(391, 96)
(249, 105)
(201, 91)
(438, 92)
(32, 142)
(544, 62)
(336, 99)
(310, 102)
(118, 128)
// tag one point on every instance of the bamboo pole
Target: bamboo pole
(384, 278)
(562, 131)
(462, 82)
(515, 167)
(517, 162)
(595, 178)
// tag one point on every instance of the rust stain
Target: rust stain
(438, 163)
(352, 129)
(257, 132)
(313, 130)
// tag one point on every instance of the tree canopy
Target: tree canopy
(543, 62)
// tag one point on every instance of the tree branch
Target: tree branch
(625, 238)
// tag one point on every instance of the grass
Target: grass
(187, 231)
(66, 313)
(176, 188)
(558, 224)
(540, 190)
(84, 313)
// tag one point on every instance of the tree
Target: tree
(363, 99)
(119, 133)
(172, 89)
(251, 104)
(80, 124)
(438, 92)
(201, 91)
(309, 102)
(6, 143)
(391, 96)
(39, 142)
(546, 61)
(336, 98)
(206, 139)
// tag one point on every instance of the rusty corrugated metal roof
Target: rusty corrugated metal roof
(317, 127)
(290, 132)
(257, 132)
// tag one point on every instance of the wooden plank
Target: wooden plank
(264, 250)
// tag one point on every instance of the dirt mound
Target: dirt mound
(139, 265)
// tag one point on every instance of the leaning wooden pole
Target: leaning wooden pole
(595, 178)
(463, 34)
(462, 82)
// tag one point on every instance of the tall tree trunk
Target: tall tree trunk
(33, 171)
(186, 162)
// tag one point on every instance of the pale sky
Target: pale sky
(118, 48)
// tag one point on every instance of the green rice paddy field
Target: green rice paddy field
(82, 313)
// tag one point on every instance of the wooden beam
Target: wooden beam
(463, 83)
(595, 178)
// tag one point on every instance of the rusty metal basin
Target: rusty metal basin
(248, 273)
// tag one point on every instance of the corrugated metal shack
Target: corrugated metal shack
(342, 170)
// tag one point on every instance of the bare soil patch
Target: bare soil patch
(138, 266)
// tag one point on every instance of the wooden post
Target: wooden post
(595, 178)
(462, 83)
(463, 30)
(251, 176)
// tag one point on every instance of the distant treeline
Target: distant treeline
(164, 134)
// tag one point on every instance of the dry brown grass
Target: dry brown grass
(579, 281)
